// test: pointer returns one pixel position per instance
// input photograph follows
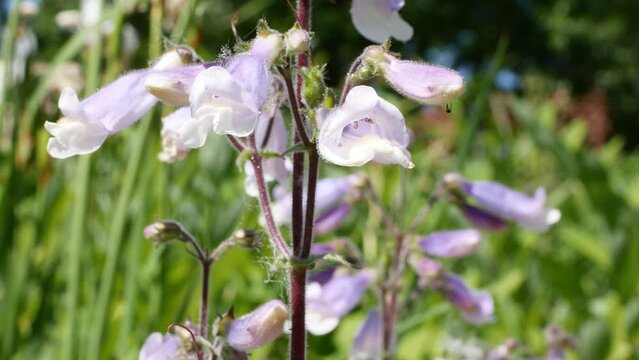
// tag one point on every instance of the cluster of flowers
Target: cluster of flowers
(241, 95)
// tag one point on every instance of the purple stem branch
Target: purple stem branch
(349, 83)
(295, 108)
(265, 204)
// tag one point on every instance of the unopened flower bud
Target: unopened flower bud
(296, 41)
(424, 83)
(451, 244)
(257, 328)
(164, 231)
(249, 238)
(314, 87)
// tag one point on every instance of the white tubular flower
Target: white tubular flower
(365, 128)
(86, 124)
(227, 100)
(378, 20)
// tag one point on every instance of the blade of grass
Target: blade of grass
(119, 215)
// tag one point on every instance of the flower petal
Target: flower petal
(365, 128)
(378, 20)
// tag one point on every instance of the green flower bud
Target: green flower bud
(314, 87)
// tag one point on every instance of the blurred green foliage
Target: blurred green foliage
(66, 226)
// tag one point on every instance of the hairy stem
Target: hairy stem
(313, 169)
(265, 204)
(298, 274)
(294, 106)
(349, 83)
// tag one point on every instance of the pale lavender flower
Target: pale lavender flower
(161, 347)
(476, 306)
(365, 128)
(330, 194)
(227, 100)
(257, 328)
(329, 302)
(378, 20)
(173, 149)
(86, 124)
(451, 244)
(368, 339)
(424, 83)
(503, 202)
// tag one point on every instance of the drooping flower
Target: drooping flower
(227, 100)
(161, 347)
(378, 20)
(505, 203)
(368, 339)
(476, 306)
(86, 124)
(365, 128)
(451, 244)
(328, 303)
(331, 194)
(173, 149)
(424, 83)
(257, 328)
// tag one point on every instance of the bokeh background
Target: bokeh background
(551, 101)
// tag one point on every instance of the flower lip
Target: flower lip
(365, 128)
